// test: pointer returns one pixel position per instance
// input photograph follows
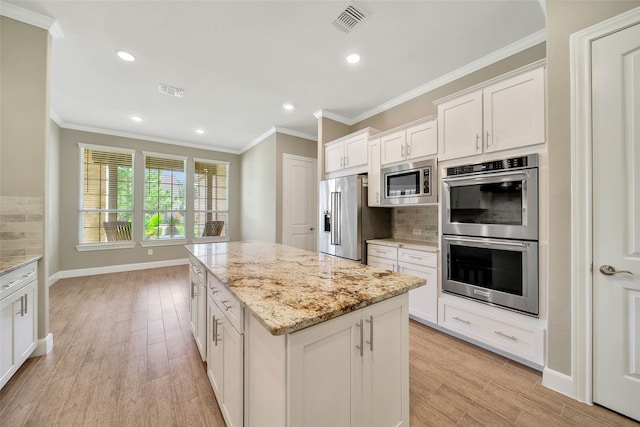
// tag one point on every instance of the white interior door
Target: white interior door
(616, 221)
(300, 200)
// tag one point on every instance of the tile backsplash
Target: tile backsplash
(21, 226)
(422, 219)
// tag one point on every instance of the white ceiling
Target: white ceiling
(239, 61)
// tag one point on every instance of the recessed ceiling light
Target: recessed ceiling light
(136, 118)
(199, 131)
(126, 56)
(353, 58)
(287, 107)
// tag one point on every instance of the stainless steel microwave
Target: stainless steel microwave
(410, 183)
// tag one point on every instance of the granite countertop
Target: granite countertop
(8, 264)
(289, 289)
(409, 244)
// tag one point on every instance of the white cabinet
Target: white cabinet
(18, 320)
(225, 362)
(374, 173)
(352, 370)
(347, 155)
(415, 140)
(509, 332)
(197, 305)
(508, 112)
(423, 301)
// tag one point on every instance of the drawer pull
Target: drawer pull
(414, 257)
(502, 334)
(462, 320)
(224, 304)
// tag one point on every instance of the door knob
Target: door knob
(312, 228)
(609, 270)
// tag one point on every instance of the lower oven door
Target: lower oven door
(496, 271)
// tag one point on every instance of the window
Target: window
(164, 197)
(210, 200)
(106, 194)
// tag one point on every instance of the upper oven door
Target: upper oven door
(500, 204)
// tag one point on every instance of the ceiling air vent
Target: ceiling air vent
(351, 16)
(169, 90)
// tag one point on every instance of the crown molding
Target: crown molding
(273, 130)
(83, 128)
(32, 18)
(505, 52)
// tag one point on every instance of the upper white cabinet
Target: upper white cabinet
(374, 172)
(507, 112)
(347, 154)
(417, 139)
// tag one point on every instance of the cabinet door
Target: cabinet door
(214, 348)
(460, 126)
(8, 309)
(422, 139)
(232, 372)
(392, 148)
(333, 156)
(26, 328)
(193, 304)
(355, 151)
(423, 301)
(514, 112)
(201, 329)
(374, 173)
(325, 374)
(386, 364)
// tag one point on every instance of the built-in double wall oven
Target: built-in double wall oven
(490, 233)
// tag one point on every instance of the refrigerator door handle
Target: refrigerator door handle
(335, 217)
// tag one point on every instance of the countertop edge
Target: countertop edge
(19, 263)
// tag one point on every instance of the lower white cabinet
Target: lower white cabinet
(197, 305)
(225, 363)
(18, 323)
(423, 301)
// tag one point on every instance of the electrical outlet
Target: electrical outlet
(149, 251)
(417, 232)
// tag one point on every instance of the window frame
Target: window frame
(89, 246)
(144, 241)
(192, 214)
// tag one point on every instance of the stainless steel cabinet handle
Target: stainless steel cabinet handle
(218, 339)
(408, 150)
(461, 320)
(214, 333)
(488, 139)
(224, 304)
(377, 197)
(26, 304)
(402, 150)
(477, 140)
(609, 270)
(370, 322)
(361, 346)
(346, 160)
(502, 334)
(192, 284)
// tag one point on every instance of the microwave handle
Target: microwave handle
(490, 175)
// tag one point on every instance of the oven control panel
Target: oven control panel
(496, 165)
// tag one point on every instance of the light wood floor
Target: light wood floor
(124, 356)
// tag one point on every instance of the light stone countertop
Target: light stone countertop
(8, 264)
(409, 244)
(289, 289)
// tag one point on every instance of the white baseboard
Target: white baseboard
(45, 345)
(119, 268)
(558, 381)
(53, 278)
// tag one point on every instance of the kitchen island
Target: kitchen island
(299, 338)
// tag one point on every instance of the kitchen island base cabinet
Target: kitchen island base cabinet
(352, 370)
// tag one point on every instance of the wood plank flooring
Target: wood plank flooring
(124, 356)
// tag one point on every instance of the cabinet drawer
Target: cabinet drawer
(197, 269)
(380, 251)
(228, 303)
(412, 256)
(513, 337)
(11, 282)
(387, 264)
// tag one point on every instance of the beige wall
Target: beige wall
(287, 144)
(24, 126)
(52, 201)
(70, 258)
(259, 191)
(563, 19)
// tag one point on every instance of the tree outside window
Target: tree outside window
(164, 205)
(211, 207)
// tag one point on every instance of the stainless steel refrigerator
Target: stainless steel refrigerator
(346, 222)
